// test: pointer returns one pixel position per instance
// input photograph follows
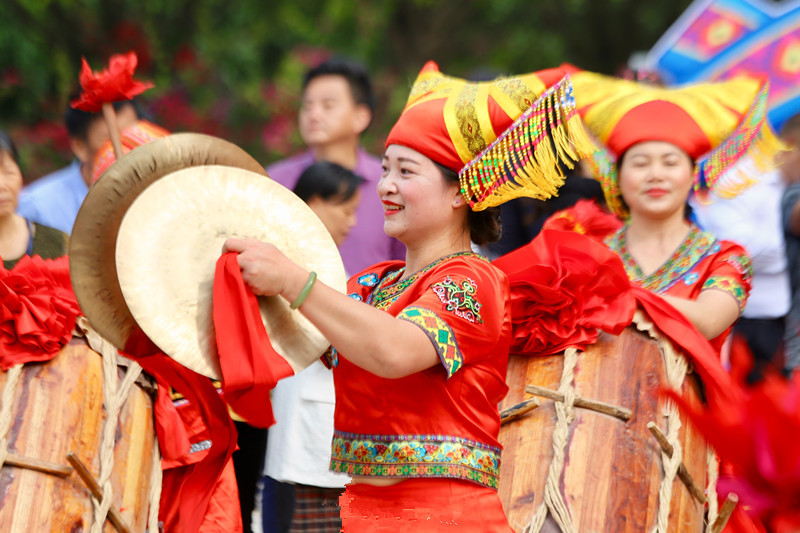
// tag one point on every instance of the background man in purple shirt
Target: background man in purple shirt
(337, 107)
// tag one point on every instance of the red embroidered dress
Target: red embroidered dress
(700, 263)
(442, 422)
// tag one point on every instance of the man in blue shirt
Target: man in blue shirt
(54, 199)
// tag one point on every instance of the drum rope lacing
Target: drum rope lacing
(7, 400)
(676, 369)
(565, 412)
(712, 467)
(115, 394)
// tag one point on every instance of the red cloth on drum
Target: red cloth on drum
(197, 437)
(606, 305)
(250, 365)
(442, 422)
(564, 288)
(422, 505)
(700, 263)
(222, 514)
(37, 310)
(192, 487)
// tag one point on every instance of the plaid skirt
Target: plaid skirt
(316, 510)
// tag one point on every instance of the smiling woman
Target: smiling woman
(18, 236)
(420, 347)
(652, 137)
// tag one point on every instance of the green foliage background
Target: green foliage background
(233, 68)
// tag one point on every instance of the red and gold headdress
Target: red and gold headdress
(138, 134)
(716, 124)
(503, 137)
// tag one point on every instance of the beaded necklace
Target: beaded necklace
(694, 247)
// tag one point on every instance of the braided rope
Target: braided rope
(676, 367)
(107, 443)
(565, 413)
(712, 466)
(6, 403)
(115, 394)
(155, 489)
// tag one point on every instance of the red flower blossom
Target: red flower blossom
(564, 287)
(111, 85)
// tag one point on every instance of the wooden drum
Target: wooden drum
(68, 405)
(586, 459)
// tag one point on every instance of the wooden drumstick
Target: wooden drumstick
(725, 513)
(683, 473)
(601, 407)
(37, 464)
(113, 514)
(516, 411)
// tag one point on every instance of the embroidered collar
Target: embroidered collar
(389, 288)
(694, 248)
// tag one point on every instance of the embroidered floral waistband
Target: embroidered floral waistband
(415, 456)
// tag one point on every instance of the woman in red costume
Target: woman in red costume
(662, 145)
(420, 346)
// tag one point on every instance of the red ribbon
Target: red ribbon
(250, 365)
(198, 483)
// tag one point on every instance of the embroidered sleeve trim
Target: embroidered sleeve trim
(440, 334)
(415, 456)
(459, 299)
(742, 264)
(728, 285)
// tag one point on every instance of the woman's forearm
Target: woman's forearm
(712, 313)
(371, 339)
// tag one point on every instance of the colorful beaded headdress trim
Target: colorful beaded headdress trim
(523, 161)
(716, 124)
(504, 137)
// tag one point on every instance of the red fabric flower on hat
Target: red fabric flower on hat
(564, 287)
(110, 85)
(37, 310)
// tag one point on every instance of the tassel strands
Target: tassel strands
(523, 161)
(753, 137)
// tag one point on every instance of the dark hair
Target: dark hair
(77, 121)
(791, 128)
(7, 145)
(327, 181)
(355, 74)
(484, 226)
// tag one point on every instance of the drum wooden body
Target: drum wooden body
(58, 407)
(612, 469)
